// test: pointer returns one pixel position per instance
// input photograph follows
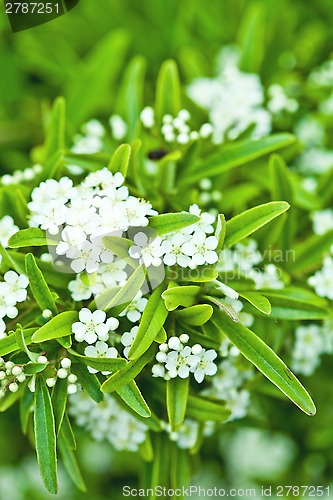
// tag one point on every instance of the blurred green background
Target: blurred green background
(83, 56)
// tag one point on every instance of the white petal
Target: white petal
(98, 316)
(85, 315)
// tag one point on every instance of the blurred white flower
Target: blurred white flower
(322, 280)
(7, 229)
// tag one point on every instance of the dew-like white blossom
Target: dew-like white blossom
(91, 327)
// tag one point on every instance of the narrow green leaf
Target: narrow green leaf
(67, 432)
(180, 296)
(59, 326)
(26, 403)
(309, 252)
(265, 359)
(38, 285)
(258, 301)
(101, 364)
(89, 381)
(146, 449)
(120, 159)
(55, 135)
(176, 401)
(201, 274)
(59, 402)
(45, 436)
(125, 294)
(152, 320)
(204, 409)
(128, 372)
(220, 232)
(31, 237)
(71, 465)
(10, 261)
(236, 154)
(286, 307)
(168, 90)
(195, 315)
(180, 472)
(120, 247)
(9, 344)
(132, 396)
(246, 223)
(169, 223)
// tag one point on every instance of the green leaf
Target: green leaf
(120, 159)
(97, 74)
(9, 344)
(32, 368)
(201, 274)
(38, 285)
(195, 315)
(45, 436)
(89, 381)
(55, 136)
(26, 402)
(67, 432)
(59, 326)
(152, 320)
(167, 91)
(169, 223)
(125, 294)
(180, 472)
(236, 154)
(20, 339)
(265, 359)
(310, 252)
(59, 402)
(287, 307)
(129, 101)
(31, 237)
(120, 247)
(246, 223)
(146, 449)
(180, 296)
(132, 396)
(252, 37)
(11, 397)
(220, 232)
(71, 465)
(176, 401)
(101, 364)
(8, 260)
(129, 372)
(204, 409)
(258, 301)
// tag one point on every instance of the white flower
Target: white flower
(322, 221)
(147, 117)
(3, 327)
(205, 223)
(269, 278)
(85, 257)
(100, 350)
(128, 338)
(93, 127)
(147, 250)
(7, 229)
(91, 327)
(205, 365)
(79, 290)
(15, 287)
(51, 217)
(72, 237)
(179, 363)
(135, 309)
(201, 249)
(6, 309)
(136, 211)
(118, 127)
(187, 435)
(172, 246)
(322, 281)
(279, 101)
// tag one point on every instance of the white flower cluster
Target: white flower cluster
(100, 205)
(107, 421)
(118, 127)
(91, 139)
(175, 359)
(7, 229)
(12, 291)
(93, 326)
(322, 280)
(228, 384)
(176, 128)
(311, 341)
(128, 338)
(233, 99)
(11, 376)
(207, 194)
(19, 176)
(241, 261)
(186, 437)
(279, 100)
(189, 247)
(63, 372)
(316, 161)
(322, 220)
